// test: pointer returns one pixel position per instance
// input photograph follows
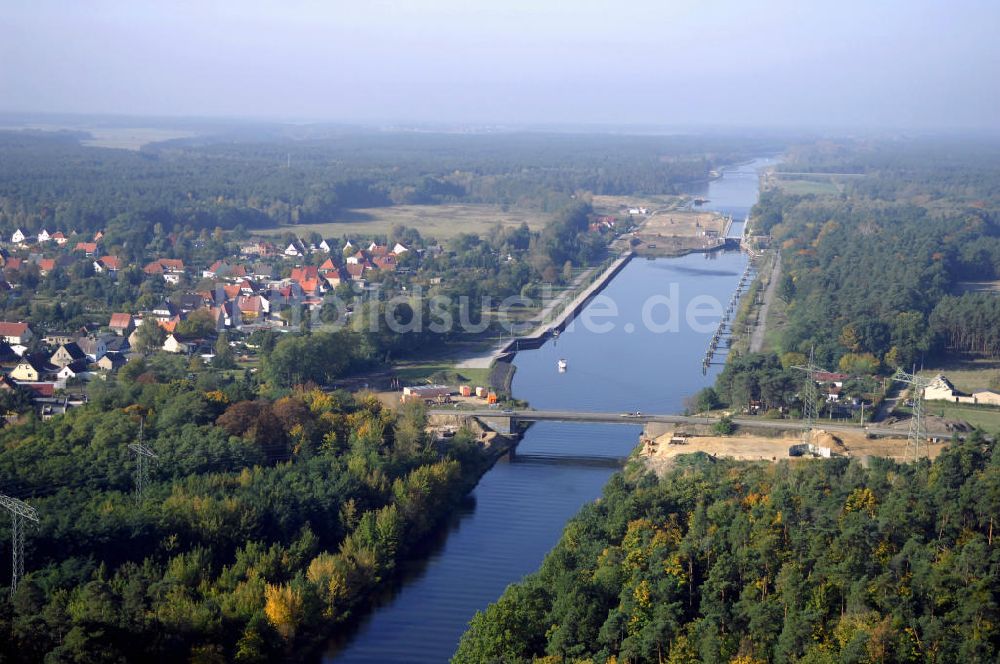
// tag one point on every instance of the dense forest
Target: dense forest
(872, 275)
(724, 561)
(265, 522)
(52, 180)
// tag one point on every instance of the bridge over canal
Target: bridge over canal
(505, 421)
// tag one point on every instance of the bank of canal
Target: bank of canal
(517, 511)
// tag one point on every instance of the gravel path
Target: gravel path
(757, 339)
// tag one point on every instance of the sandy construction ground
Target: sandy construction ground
(682, 223)
(660, 452)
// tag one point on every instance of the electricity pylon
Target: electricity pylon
(809, 396)
(19, 511)
(917, 436)
(142, 453)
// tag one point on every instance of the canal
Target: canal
(635, 347)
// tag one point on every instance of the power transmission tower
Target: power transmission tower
(917, 436)
(19, 511)
(810, 395)
(142, 454)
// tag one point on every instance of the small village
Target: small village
(257, 286)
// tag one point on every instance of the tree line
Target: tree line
(726, 561)
(266, 524)
(51, 179)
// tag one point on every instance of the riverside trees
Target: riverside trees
(265, 523)
(731, 561)
(869, 274)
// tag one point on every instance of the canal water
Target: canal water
(636, 347)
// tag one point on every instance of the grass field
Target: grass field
(806, 187)
(437, 221)
(987, 419)
(420, 372)
(614, 205)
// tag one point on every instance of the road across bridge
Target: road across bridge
(527, 415)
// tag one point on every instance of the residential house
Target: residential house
(252, 308)
(46, 265)
(164, 311)
(94, 347)
(56, 339)
(73, 370)
(324, 246)
(399, 249)
(835, 379)
(43, 236)
(13, 264)
(115, 344)
(16, 333)
(32, 369)
(89, 249)
(262, 249)
(111, 362)
(171, 269)
(67, 354)
(986, 397)
(169, 326)
(175, 345)
(941, 389)
(356, 272)
(333, 278)
(108, 264)
(18, 237)
(223, 270)
(385, 263)
(60, 238)
(121, 324)
(262, 271)
(294, 250)
(214, 269)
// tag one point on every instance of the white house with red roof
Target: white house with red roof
(109, 264)
(15, 333)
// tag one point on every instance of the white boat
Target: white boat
(562, 365)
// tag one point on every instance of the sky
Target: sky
(907, 64)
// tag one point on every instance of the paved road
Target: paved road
(619, 418)
(757, 339)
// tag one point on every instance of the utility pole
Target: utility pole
(19, 511)
(142, 453)
(917, 435)
(809, 396)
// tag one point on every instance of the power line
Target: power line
(810, 395)
(917, 435)
(19, 511)
(142, 453)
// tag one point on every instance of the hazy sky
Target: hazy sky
(892, 63)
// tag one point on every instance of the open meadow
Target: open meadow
(437, 221)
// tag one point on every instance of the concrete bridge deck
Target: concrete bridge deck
(528, 415)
